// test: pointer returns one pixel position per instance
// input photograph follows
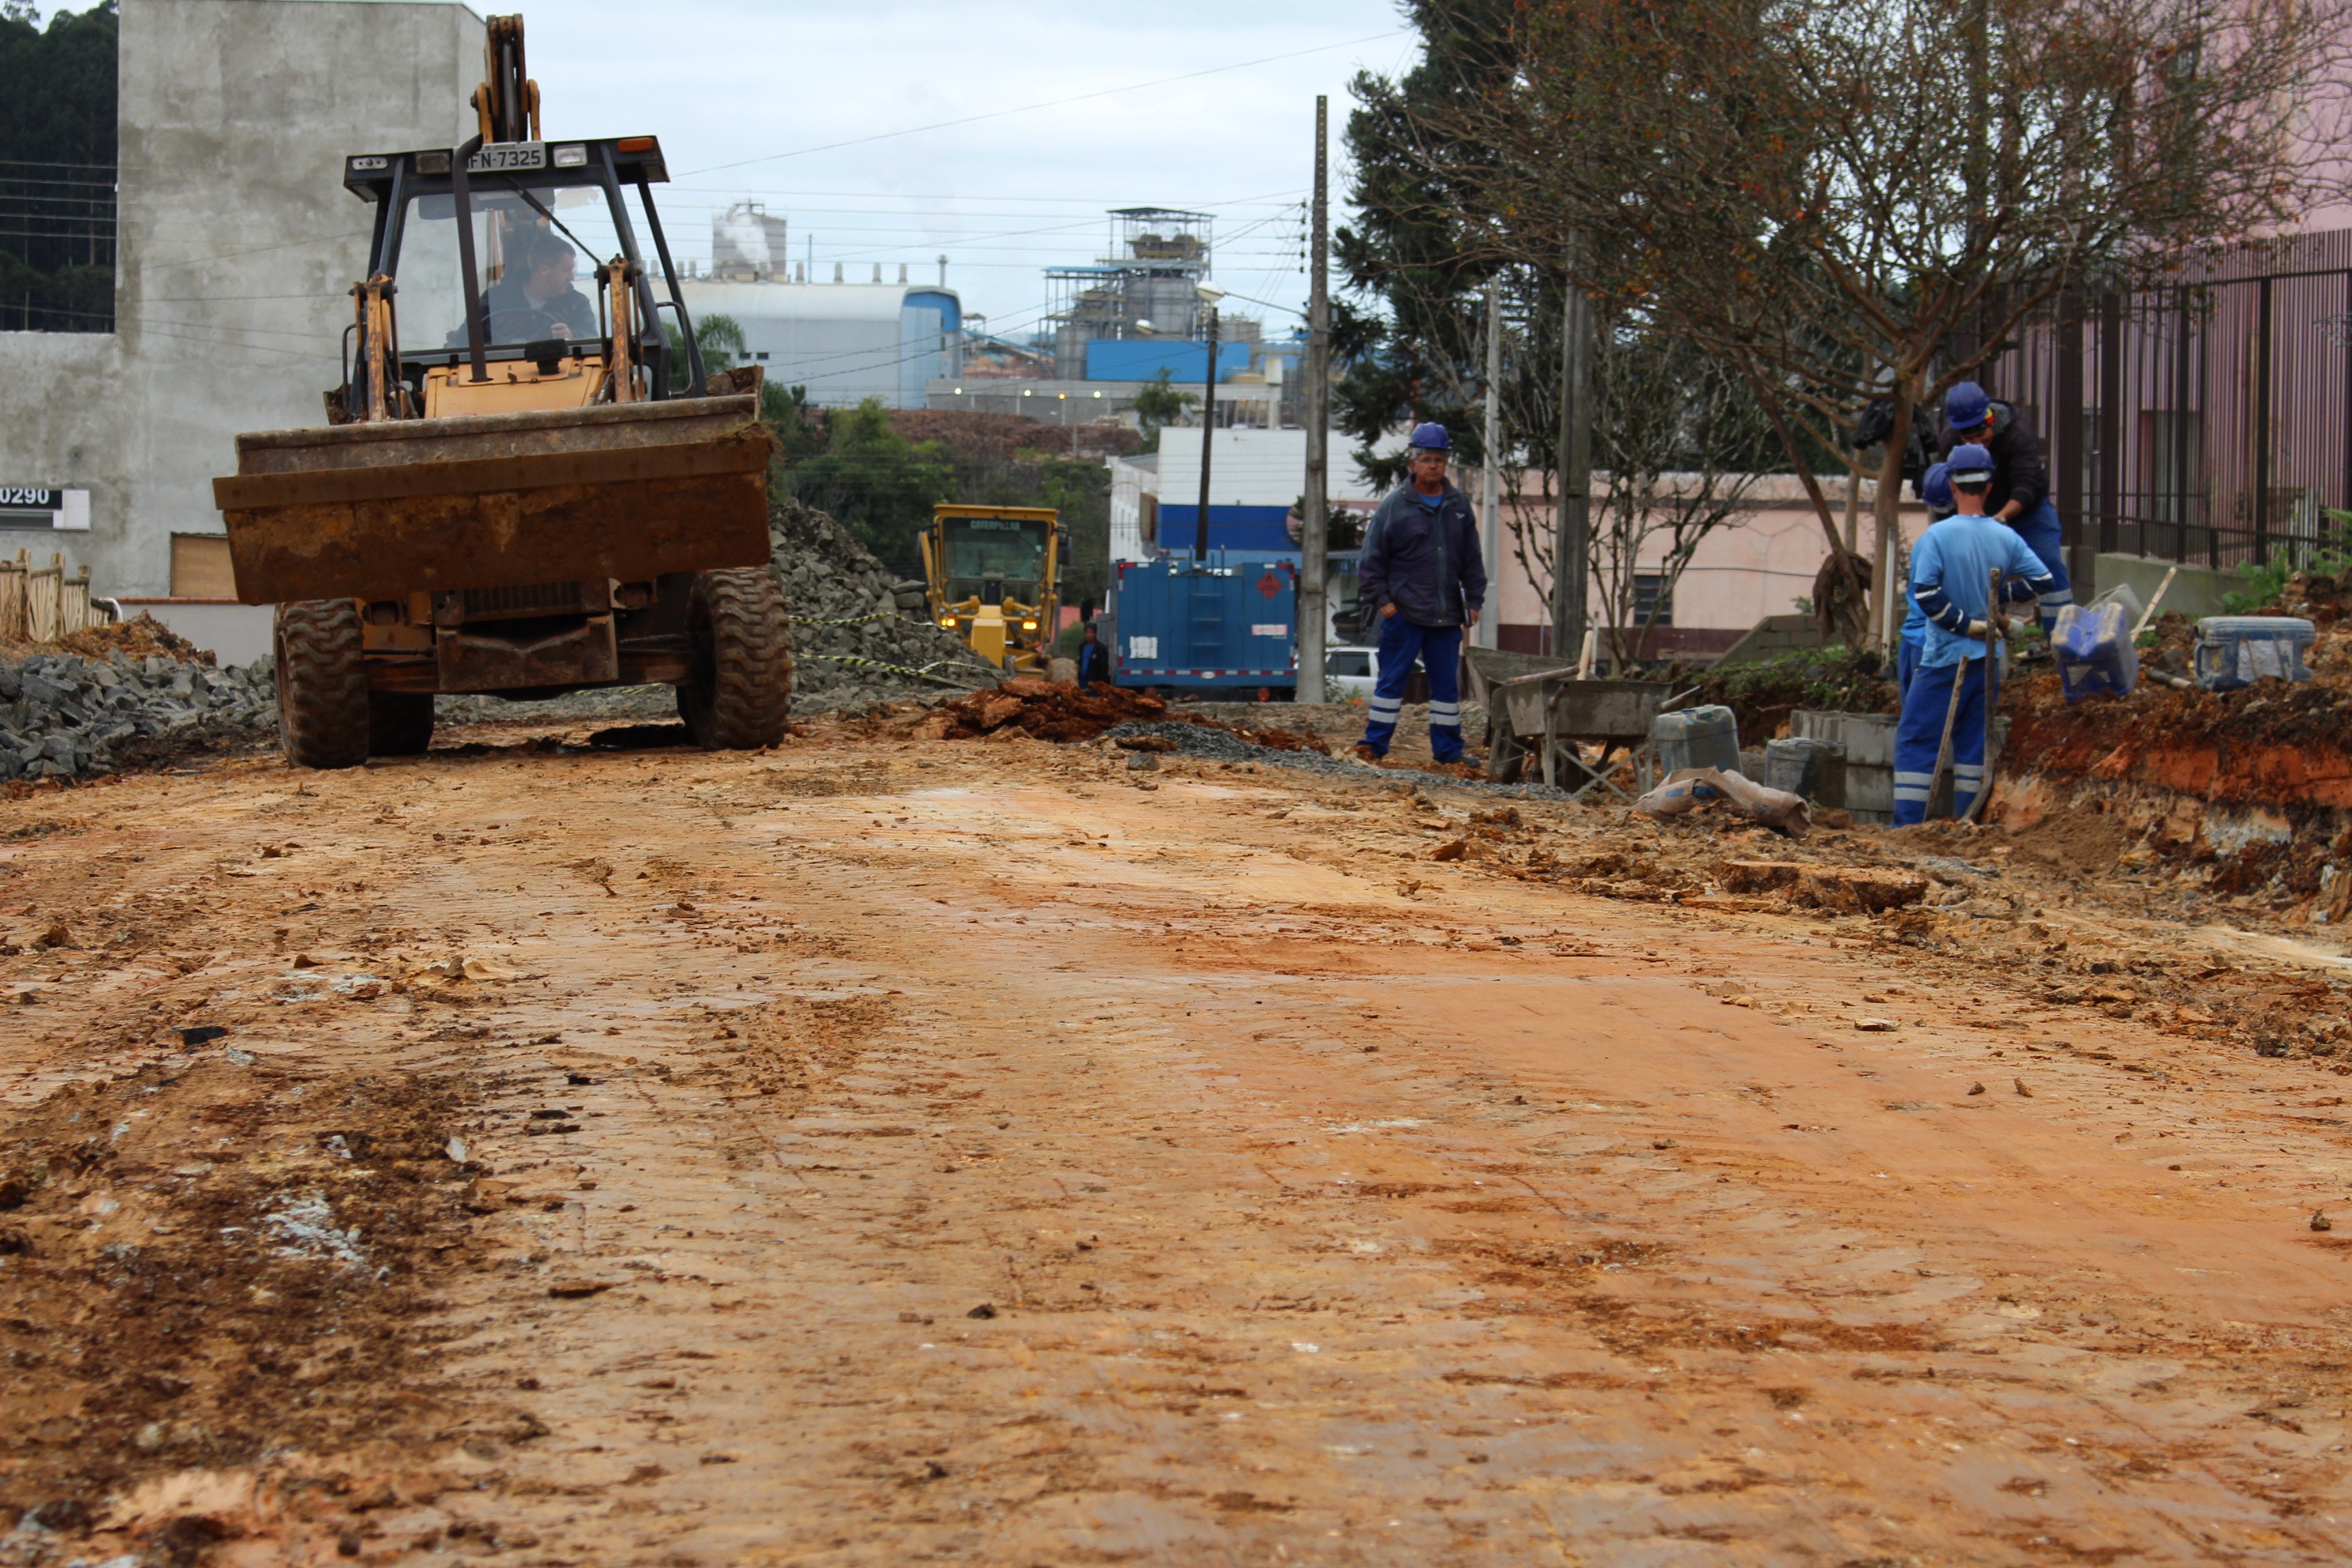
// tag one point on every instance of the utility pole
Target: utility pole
(1314, 527)
(1572, 526)
(1490, 482)
(1208, 430)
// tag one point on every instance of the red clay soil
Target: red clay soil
(2271, 744)
(1048, 712)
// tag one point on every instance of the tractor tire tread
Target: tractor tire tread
(745, 629)
(323, 691)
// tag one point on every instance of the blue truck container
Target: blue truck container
(1225, 623)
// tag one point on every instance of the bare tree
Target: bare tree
(1830, 196)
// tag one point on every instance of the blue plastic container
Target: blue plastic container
(1226, 623)
(1704, 737)
(2235, 651)
(2094, 647)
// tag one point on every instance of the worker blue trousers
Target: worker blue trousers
(1439, 650)
(1907, 665)
(1919, 735)
(2039, 530)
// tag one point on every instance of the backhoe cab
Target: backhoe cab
(523, 488)
(993, 576)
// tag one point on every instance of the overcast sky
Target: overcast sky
(725, 82)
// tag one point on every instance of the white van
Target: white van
(1349, 671)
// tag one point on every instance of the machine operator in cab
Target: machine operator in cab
(536, 300)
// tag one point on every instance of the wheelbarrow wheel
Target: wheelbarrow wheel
(1506, 758)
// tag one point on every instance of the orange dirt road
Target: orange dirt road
(876, 1153)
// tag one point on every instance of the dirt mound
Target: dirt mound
(141, 638)
(1041, 708)
(1067, 713)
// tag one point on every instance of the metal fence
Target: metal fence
(2205, 421)
(56, 248)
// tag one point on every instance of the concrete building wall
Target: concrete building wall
(1759, 565)
(237, 247)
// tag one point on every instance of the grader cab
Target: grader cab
(524, 487)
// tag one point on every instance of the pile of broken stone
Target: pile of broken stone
(63, 716)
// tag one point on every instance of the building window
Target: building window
(1652, 592)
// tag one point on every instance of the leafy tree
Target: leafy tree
(1847, 202)
(1160, 405)
(876, 484)
(1676, 440)
(801, 428)
(56, 169)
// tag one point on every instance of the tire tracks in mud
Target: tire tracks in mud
(1308, 1216)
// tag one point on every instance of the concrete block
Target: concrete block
(2194, 592)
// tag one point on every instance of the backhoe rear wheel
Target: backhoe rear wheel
(400, 724)
(323, 694)
(741, 695)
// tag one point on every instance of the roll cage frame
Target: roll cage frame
(389, 180)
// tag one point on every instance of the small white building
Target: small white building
(845, 342)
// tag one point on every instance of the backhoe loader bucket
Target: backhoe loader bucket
(378, 510)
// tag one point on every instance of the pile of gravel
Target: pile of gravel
(1223, 746)
(63, 716)
(828, 576)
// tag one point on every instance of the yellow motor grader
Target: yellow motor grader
(993, 576)
(520, 490)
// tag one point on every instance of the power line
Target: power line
(1052, 103)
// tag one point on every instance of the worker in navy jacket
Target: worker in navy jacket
(1952, 587)
(1094, 659)
(2020, 493)
(1421, 575)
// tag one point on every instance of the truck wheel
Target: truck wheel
(1505, 760)
(400, 724)
(323, 694)
(741, 696)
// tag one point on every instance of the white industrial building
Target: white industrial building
(1246, 468)
(237, 247)
(845, 342)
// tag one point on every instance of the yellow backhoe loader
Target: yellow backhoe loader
(520, 489)
(993, 578)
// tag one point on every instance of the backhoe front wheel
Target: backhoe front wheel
(740, 696)
(323, 694)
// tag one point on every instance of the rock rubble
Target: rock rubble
(65, 716)
(829, 576)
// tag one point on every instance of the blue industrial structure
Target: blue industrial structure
(1142, 359)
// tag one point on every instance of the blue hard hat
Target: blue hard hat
(1430, 439)
(1969, 465)
(1936, 487)
(1965, 406)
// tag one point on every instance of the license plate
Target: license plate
(504, 155)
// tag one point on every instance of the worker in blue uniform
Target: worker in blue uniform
(1951, 582)
(1936, 490)
(1420, 574)
(2020, 496)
